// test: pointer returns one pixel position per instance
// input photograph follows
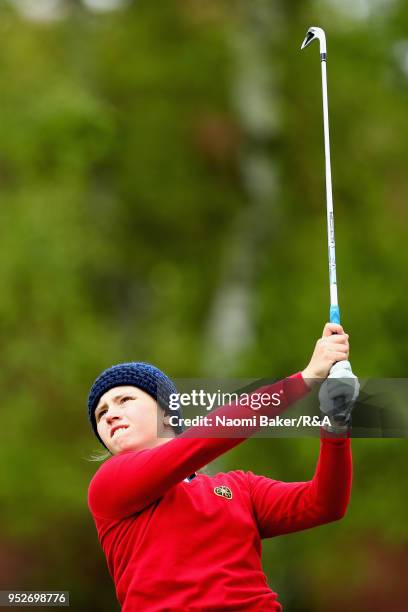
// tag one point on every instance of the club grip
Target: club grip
(334, 315)
(340, 400)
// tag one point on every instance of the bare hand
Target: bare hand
(333, 346)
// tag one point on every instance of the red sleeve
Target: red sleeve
(129, 481)
(284, 507)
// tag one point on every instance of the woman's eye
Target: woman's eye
(126, 399)
(101, 413)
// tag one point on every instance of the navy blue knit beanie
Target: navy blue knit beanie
(142, 375)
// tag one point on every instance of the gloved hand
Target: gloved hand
(341, 383)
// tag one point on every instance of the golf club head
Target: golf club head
(315, 33)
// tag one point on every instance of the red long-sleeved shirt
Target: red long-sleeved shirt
(178, 545)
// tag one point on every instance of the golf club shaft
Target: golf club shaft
(334, 306)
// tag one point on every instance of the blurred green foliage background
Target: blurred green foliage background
(162, 199)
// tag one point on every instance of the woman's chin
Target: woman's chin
(127, 444)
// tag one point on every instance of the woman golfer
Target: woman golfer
(176, 540)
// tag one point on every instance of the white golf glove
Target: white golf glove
(337, 396)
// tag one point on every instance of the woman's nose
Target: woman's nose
(111, 416)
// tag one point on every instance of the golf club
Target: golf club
(315, 33)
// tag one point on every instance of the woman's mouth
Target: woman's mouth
(118, 431)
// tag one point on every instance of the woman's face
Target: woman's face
(127, 418)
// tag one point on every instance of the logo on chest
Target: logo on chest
(223, 491)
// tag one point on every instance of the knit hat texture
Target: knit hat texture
(138, 374)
